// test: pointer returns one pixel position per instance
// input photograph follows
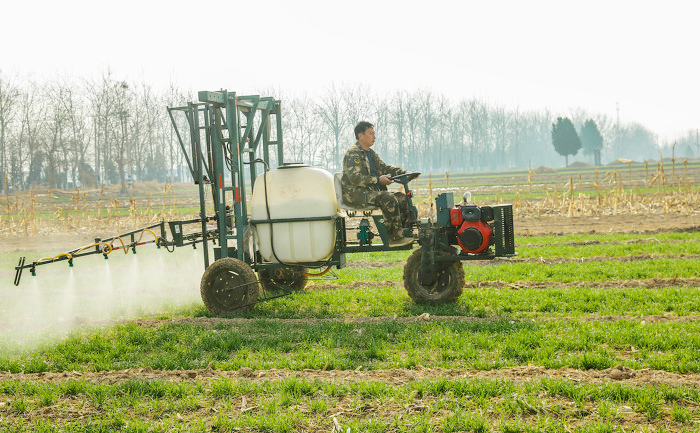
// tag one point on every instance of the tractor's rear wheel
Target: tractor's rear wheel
(284, 278)
(229, 286)
(447, 285)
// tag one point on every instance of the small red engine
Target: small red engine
(473, 231)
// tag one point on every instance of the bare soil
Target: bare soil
(652, 283)
(392, 376)
(500, 260)
(627, 223)
(213, 322)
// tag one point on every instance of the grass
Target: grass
(561, 272)
(614, 250)
(483, 302)
(386, 344)
(343, 326)
(448, 405)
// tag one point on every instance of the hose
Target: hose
(50, 259)
(149, 231)
(108, 249)
(307, 274)
(126, 251)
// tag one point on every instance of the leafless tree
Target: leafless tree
(332, 110)
(477, 121)
(122, 145)
(397, 120)
(302, 131)
(103, 96)
(56, 128)
(500, 131)
(412, 122)
(174, 96)
(75, 146)
(33, 117)
(426, 116)
(358, 102)
(441, 146)
(385, 146)
(9, 94)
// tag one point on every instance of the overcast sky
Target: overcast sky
(528, 54)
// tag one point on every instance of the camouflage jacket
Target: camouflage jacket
(357, 181)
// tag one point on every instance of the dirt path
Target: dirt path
(501, 260)
(653, 283)
(395, 377)
(213, 322)
(620, 242)
(627, 223)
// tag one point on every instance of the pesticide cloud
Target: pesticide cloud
(60, 298)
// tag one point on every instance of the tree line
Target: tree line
(86, 131)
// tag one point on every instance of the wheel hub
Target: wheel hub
(230, 289)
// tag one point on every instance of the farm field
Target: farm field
(593, 327)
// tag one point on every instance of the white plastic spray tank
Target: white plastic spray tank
(295, 191)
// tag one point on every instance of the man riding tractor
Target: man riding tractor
(364, 182)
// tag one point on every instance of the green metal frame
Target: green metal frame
(234, 126)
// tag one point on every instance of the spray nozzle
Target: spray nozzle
(70, 262)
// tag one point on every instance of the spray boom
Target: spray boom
(135, 239)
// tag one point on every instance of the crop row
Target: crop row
(291, 404)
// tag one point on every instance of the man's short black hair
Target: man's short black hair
(361, 127)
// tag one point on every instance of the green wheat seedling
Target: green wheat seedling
(289, 404)
(265, 344)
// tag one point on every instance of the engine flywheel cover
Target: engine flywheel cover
(474, 236)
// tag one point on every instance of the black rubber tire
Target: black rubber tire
(229, 286)
(287, 279)
(448, 285)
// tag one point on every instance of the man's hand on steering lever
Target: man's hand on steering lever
(385, 179)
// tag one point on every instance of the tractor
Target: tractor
(294, 225)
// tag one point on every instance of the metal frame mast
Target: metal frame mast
(233, 127)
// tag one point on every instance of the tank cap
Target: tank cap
(293, 165)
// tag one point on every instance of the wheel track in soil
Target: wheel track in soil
(652, 283)
(548, 260)
(213, 322)
(394, 377)
(616, 242)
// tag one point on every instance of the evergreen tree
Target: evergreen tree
(591, 140)
(565, 138)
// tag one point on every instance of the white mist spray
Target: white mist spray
(97, 291)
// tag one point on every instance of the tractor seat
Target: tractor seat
(339, 197)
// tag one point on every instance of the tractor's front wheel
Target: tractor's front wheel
(285, 278)
(229, 286)
(447, 283)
